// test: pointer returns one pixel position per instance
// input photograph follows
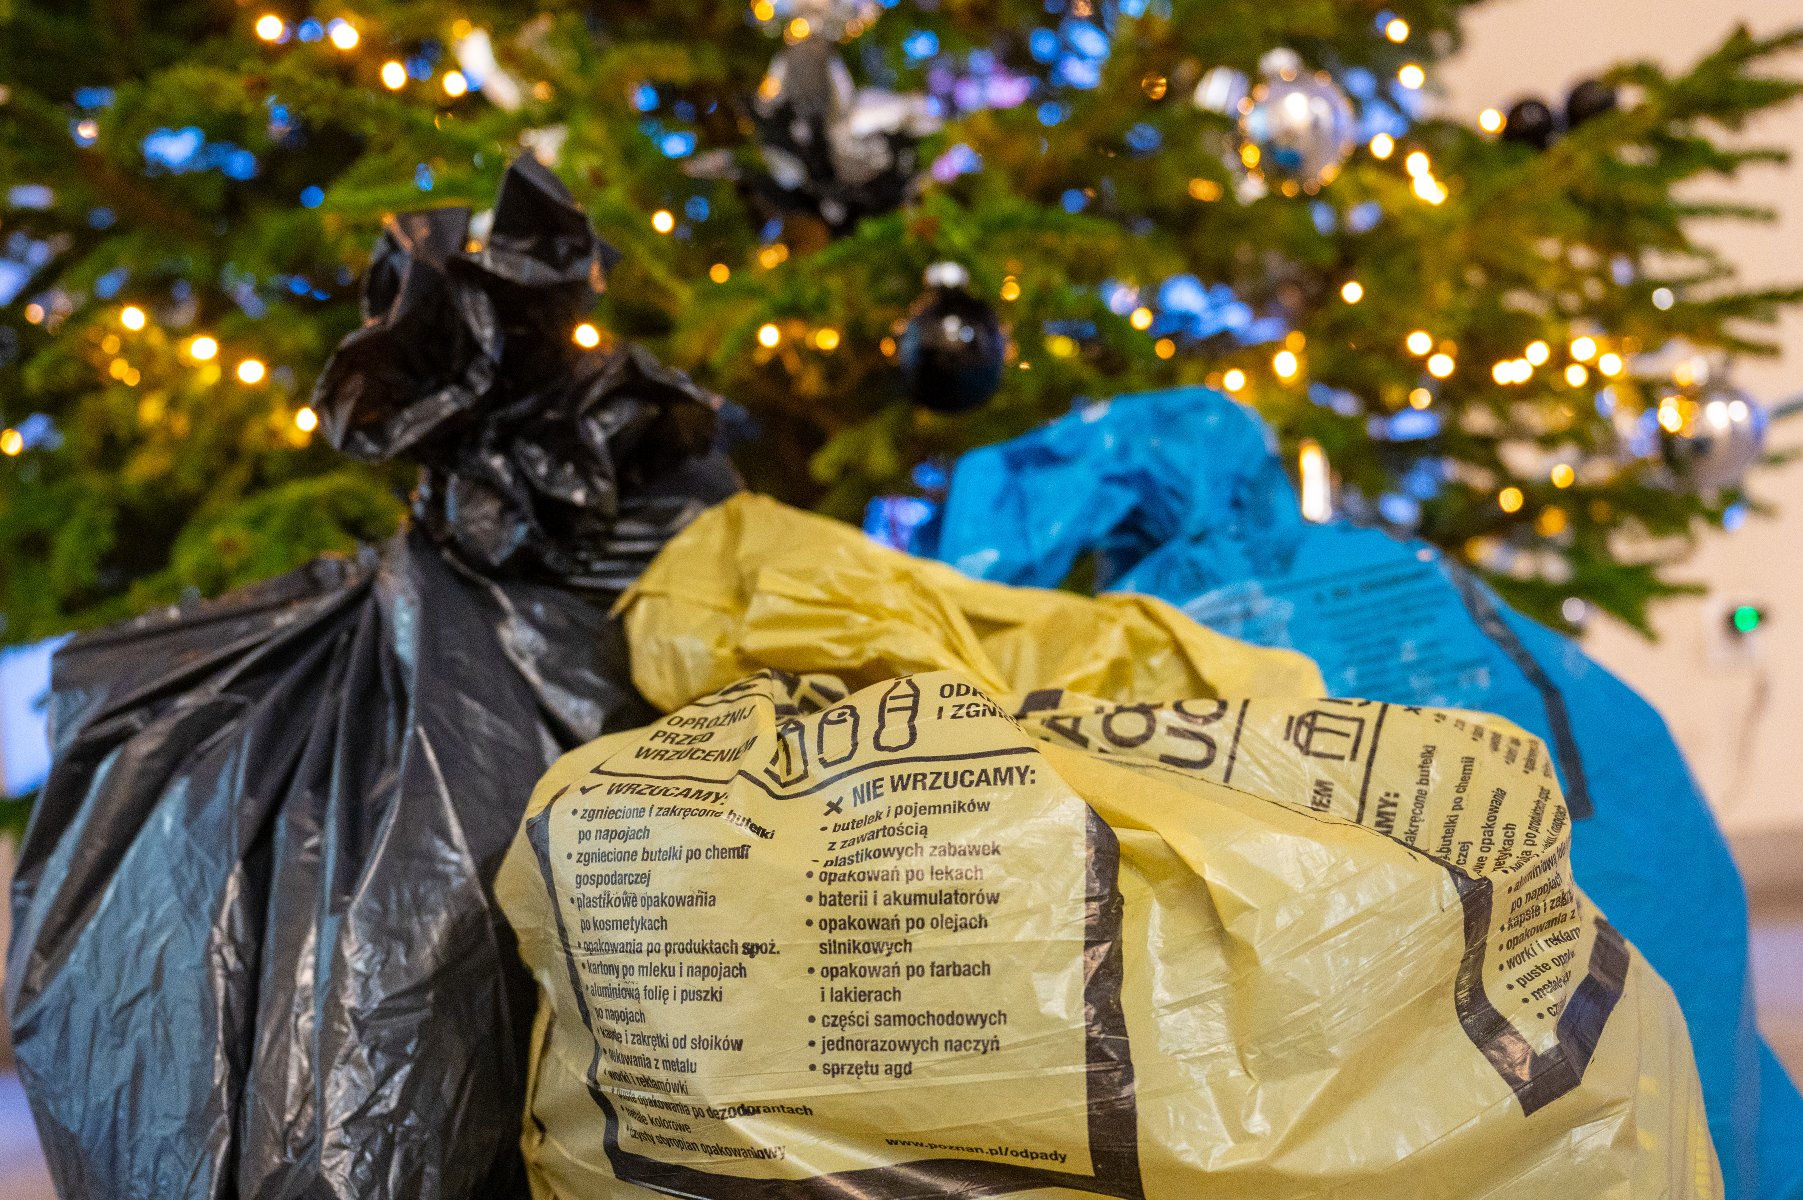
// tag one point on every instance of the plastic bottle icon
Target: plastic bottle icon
(897, 717)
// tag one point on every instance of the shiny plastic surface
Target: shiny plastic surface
(885, 908)
(255, 951)
(1180, 495)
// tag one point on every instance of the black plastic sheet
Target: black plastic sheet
(256, 952)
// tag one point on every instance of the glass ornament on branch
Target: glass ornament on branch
(952, 346)
(1297, 128)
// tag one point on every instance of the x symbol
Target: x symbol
(834, 806)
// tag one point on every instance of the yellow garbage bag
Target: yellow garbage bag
(889, 907)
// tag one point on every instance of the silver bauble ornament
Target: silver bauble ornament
(835, 20)
(1720, 435)
(1296, 130)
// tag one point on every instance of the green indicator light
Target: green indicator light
(1747, 618)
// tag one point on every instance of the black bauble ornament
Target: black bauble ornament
(1531, 123)
(1591, 98)
(951, 348)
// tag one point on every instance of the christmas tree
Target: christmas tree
(1496, 330)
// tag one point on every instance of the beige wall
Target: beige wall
(1738, 714)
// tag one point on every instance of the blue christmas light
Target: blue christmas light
(235, 162)
(1043, 45)
(1364, 216)
(101, 218)
(1074, 200)
(93, 97)
(108, 285)
(30, 195)
(299, 286)
(1325, 218)
(422, 177)
(644, 97)
(419, 67)
(697, 208)
(1086, 40)
(1143, 138)
(1051, 112)
(677, 145)
(310, 30)
(1359, 82)
(1734, 516)
(1399, 510)
(173, 149)
(1132, 8)
(1409, 425)
(39, 432)
(312, 196)
(922, 43)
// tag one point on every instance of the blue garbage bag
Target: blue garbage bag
(1181, 495)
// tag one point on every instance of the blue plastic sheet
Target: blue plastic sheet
(1181, 495)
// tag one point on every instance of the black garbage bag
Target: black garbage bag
(255, 949)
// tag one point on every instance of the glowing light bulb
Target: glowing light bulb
(827, 339)
(1205, 190)
(11, 443)
(270, 27)
(1427, 188)
(1397, 30)
(663, 220)
(798, 30)
(1670, 418)
(306, 420)
(132, 317)
(1490, 120)
(586, 336)
(1420, 342)
(1417, 163)
(1164, 348)
(769, 336)
(343, 34)
(1610, 364)
(1141, 318)
(1537, 353)
(1564, 476)
(34, 314)
(1510, 499)
(1352, 291)
(1551, 522)
(1577, 374)
(1440, 366)
(203, 349)
(764, 10)
(455, 84)
(1286, 364)
(1234, 380)
(1420, 398)
(1010, 288)
(394, 75)
(1663, 299)
(1503, 371)
(1411, 76)
(719, 272)
(1382, 146)
(1316, 480)
(251, 370)
(1583, 349)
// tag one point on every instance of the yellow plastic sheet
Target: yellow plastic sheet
(888, 907)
